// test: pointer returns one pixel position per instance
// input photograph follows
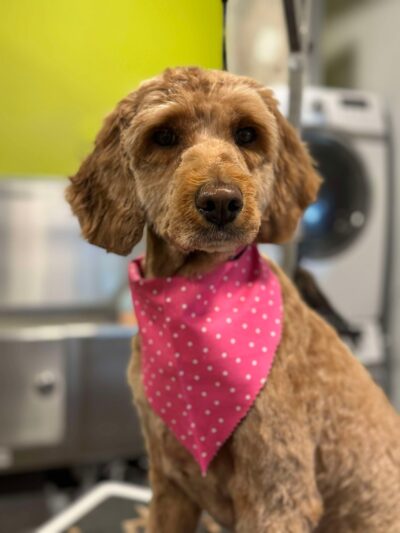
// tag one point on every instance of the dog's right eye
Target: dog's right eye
(165, 137)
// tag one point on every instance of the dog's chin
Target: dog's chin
(215, 240)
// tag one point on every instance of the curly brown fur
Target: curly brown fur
(319, 450)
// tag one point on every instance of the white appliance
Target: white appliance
(345, 233)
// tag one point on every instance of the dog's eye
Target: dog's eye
(165, 137)
(245, 136)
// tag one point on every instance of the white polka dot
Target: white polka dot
(204, 329)
(254, 363)
(192, 425)
(244, 325)
(197, 377)
(158, 393)
(168, 299)
(225, 373)
(169, 404)
(233, 341)
(209, 368)
(202, 439)
(235, 310)
(238, 360)
(238, 408)
(256, 298)
(228, 320)
(184, 413)
(273, 334)
(167, 319)
(218, 335)
(169, 280)
(237, 283)
(189, 387)
(154, 291)
(198, 296)
(204, 454)
(251, 344)
(225, 278)
(258, 331)
(190, 343)
(150, 341)
(224, 355)
(218, 443)
(216, 309)
(262, 381)
(188, 407)
(160, 371)
(242, 298)
(204, 394)
(232, 390)
(264, 316)
(175, 335)
(248, 377)
(183, 288)
(181, 372)
(264, 349)
(221, 420)
(213, 430)
(208, 319)
(277, 321)
(207, 412)
(195, 361)
(170, 364)
(183, 437)
(217, 384)
(248, 397)
(163, 411)
(270, 302)
(205, 349)
(253, 310)
(229, 295)
(173, 421)
(193, 315)
(216, 402)
(184, 306)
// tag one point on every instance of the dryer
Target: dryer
(344, 234)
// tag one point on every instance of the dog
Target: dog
(206, 161)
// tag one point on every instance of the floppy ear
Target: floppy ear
(103, 192)
(296, 182)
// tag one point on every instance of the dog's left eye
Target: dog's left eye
(245, 136)
(165, 137)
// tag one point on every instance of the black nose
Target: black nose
(219, 203)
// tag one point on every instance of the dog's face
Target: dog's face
(203, 157)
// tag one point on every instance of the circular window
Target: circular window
(338, 216)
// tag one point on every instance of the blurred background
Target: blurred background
(66, 419)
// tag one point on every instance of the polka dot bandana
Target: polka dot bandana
(207, 345)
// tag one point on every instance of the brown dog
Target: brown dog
(320, 448)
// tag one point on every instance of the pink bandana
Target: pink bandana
(207, 345)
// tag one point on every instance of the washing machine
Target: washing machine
(345, 234)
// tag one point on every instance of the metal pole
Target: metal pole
(297, 15)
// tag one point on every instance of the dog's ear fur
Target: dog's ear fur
(103, 193)
(296, 181)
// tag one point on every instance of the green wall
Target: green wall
(65, 63)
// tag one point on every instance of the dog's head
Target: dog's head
(203, 157)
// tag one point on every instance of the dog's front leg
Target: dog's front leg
(171, 510)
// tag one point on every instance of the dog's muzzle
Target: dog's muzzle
(219, 203)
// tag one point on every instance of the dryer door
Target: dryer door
(338, 216)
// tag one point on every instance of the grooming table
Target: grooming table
(112, 508)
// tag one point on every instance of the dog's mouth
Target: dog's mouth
(214, 239)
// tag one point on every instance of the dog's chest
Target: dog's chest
(211, 492)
